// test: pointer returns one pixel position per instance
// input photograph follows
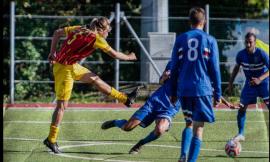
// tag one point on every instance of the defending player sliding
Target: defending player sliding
(158, 108)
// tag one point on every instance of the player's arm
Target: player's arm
(214, 72)
(55, 39)
(175, 63)
(257, 81)
(166, 73)
(61, 32)
(232, 77)
(102, 44)
(227, 103)
(121, 56)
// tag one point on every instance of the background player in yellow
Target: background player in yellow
(259, 43)
(81, 42)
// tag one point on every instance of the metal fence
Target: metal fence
(228, 31)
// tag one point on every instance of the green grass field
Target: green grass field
(81, 138)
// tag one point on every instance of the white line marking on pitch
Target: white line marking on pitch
(85, 143)
(99, 122)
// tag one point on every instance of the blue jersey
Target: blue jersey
(254, 65)
(195, 65)
(162, 94)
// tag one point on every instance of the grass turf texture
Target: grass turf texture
(83, 140)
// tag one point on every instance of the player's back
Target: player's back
(195, 51)
(78, 45)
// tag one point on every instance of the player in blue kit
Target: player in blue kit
(157, 108)
(255, 64)
(195, 68)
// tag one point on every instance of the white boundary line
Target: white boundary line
(86, 143)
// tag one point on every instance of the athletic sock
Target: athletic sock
(186, 140)
(241, 119)
(120, 123)
(194, 150)
(118, 95)
(53, 133)
(151, 137)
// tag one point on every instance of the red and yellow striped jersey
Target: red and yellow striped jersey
(80, 43)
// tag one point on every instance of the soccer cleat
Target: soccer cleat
(182, 159)
(239, 138)
(132, 96)
(52, 146)
(135, 149)
(108, 124)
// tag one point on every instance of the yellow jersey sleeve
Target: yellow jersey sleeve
(101, 43)
(69, 29)
(260, 44)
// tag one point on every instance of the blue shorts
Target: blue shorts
(249, 93)
(153, 110)
(198, 109)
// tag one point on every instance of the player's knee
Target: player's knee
(127, 128)
(61, 105)
(160, 130)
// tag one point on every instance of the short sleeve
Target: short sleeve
(69, 29)
(102, 44)
(238, 59)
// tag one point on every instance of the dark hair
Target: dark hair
(196, 15)
(98, 23)
(250, 34)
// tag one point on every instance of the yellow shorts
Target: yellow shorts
(64, 76)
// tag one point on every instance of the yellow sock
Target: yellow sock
(53, 133)
(118, 95)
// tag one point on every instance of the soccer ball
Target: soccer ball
(233, 148)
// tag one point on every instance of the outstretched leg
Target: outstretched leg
(122, 124)
(127, 99)
(161, 126)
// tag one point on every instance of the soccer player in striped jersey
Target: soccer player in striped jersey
(80, 42)
(255, 64)
(195, 65)
(157, 108)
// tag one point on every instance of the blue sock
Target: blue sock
(241, 119)
(151, 137)
(120, 123)
(194, 150)
(186, 140)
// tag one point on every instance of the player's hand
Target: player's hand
(255, 81)
(51, 58)
(230, 105)
(216, 102)
(234, 107)
(132, 56)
